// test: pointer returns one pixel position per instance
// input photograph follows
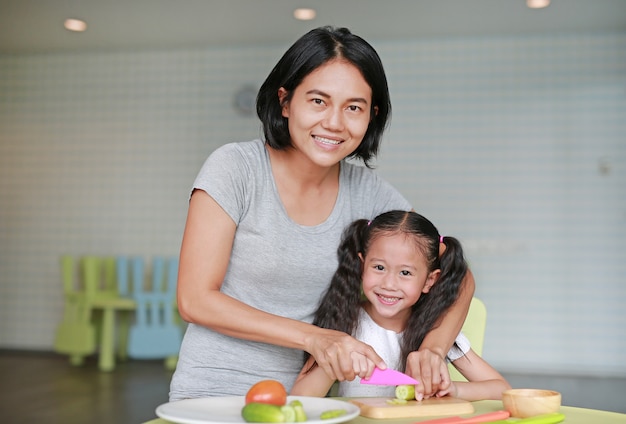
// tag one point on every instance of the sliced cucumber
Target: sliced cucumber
(405, 392)
(299, 409)
(332, 413)
(289, 412)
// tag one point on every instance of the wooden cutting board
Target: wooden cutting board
(379, 408)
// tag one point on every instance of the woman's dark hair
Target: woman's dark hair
(308, 53)
(339, 307)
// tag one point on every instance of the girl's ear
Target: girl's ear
(361, 257)
(431, 280)
(282, 99)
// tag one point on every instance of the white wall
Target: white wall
(515, 145)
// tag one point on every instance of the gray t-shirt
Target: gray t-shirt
(276, 265)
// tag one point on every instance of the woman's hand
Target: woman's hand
(430, 369)
(341, 356)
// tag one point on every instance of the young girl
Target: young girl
(396, 279)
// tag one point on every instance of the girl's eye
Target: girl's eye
(379, 267)
(405, 273)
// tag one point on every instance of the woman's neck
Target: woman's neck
(308, 192)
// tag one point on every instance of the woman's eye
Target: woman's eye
(354, 108)
(318, 101)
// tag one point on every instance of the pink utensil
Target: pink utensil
(389, 377)
(482, 418)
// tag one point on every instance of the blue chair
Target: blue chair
(156, 332)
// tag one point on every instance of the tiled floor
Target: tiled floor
(44, 388)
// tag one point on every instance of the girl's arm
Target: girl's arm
(204, 257)
(428, 364)
(484, 382)
(313, 383)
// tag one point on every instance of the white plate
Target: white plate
(225, 410)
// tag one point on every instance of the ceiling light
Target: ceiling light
(537, 4)
(304, 14)
(76, 25)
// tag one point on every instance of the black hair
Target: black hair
(312, 50)
(339, 307)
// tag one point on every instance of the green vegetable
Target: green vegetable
(405, 392)
(299, 409)
(255, 412)
(289, 412)
(333, 413)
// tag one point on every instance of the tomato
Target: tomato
(267, 391)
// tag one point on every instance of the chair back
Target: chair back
(75, 335)
(130, 275)
(474, 330)
(99, 276)
(156, 333)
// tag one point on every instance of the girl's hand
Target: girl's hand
(452, 390)
(341, 356)
(430, 369)
(362, 365)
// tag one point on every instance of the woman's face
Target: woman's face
(395, 274)
(329, 112)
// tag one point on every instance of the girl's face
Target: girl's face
(395, 274)
(328, 113)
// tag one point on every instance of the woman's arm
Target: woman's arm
(315, 382)
(484, 382)
(204, 257)
(428, 364)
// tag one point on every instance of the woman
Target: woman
(265, 219)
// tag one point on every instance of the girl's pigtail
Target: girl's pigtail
(339, 306)
(429, 309)
(453, 267)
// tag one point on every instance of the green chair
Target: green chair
(104, 299)
(76, 335)
(474, 330)
(91, 302)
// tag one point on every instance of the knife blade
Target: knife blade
(389, 377)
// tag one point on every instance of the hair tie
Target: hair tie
(368, 223)
(440, 239)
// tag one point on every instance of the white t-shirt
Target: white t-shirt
(387, 344)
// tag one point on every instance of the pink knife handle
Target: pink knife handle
(482, 418)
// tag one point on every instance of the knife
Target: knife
(389, 377)
(482, 418)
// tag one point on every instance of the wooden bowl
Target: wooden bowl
(522, 403)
